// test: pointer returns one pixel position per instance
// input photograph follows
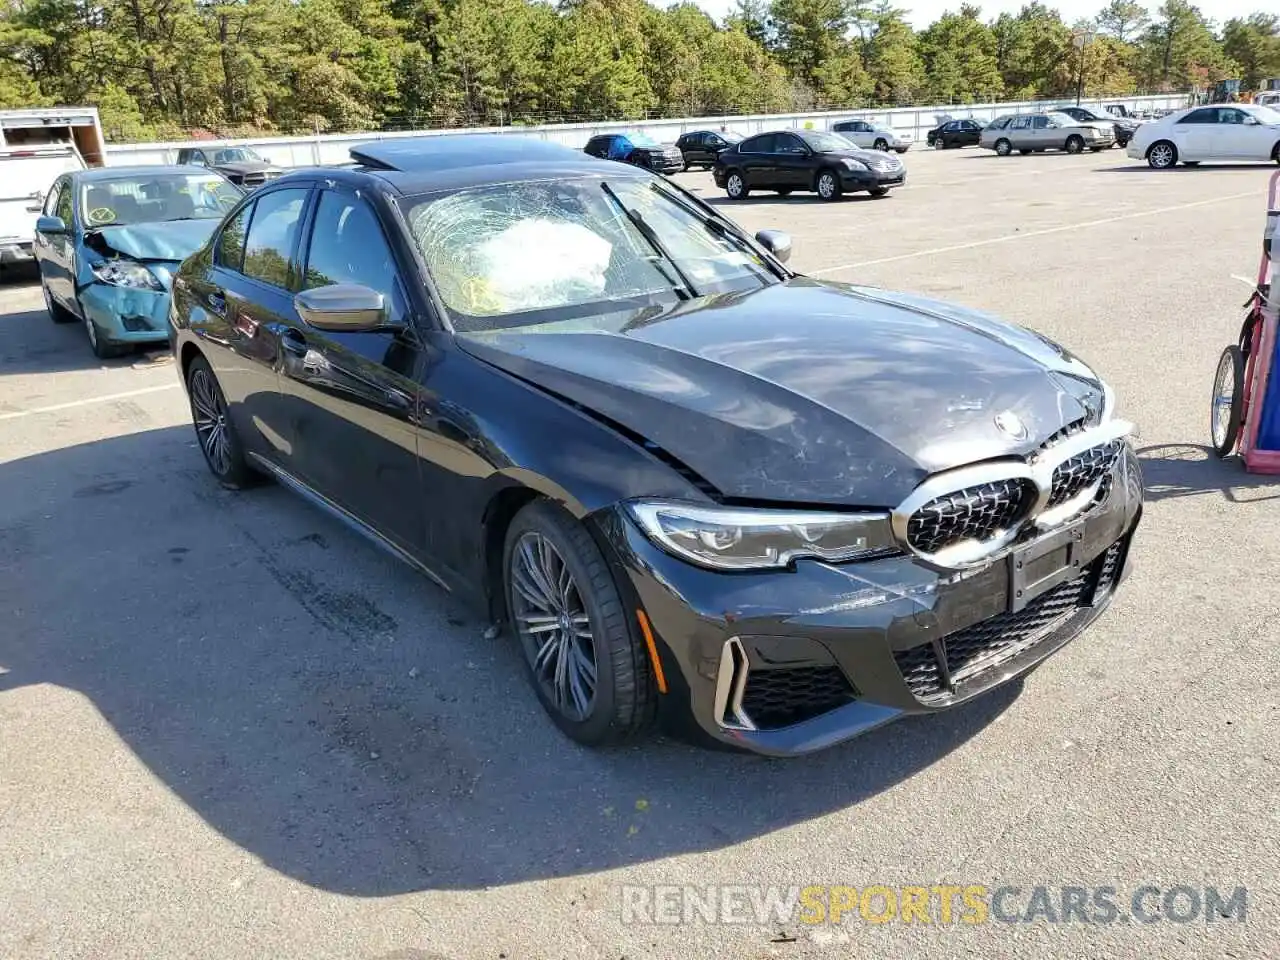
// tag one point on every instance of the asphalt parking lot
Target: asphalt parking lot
(230, 728)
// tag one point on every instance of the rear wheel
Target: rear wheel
(1227, 408)
(1162, 155)
(57, 312)
(1074, 144)
(735, 186)
(828, 185)
(1003, 147)
(589, 669)
(214, 430)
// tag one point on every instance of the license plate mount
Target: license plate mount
(1048, 562)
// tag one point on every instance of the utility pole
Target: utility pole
(1082, 38)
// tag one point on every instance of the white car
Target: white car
(873, 136)
(1224, 131)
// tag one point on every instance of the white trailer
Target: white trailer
(45, 126)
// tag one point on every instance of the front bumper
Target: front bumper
(788, 662)
(126, 314)
(853, 180)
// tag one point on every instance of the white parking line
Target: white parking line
(1023, 235)
(86, 402)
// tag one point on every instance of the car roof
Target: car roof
(137, 170)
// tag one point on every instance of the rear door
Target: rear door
(239, 303)
(1021, 134)
(758, 160)
(1194, 135)
(352, 397)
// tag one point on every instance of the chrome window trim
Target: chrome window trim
(1038, 469)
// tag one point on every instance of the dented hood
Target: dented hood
(167, 240)
(807, 391)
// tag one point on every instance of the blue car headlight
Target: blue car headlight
(126, 273)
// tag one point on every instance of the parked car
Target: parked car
(875, 136)
(1123, 128)
(26, 173)
(701, 147)
(954, 133)
(241, 165)
(1236, 131)
(110, 240)
(791, 160)
(698, 488)
(637, 149)
(1033, 132)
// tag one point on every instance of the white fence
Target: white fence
(332, 148)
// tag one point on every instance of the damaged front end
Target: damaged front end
(125, 297)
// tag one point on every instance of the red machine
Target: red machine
(1246, 396)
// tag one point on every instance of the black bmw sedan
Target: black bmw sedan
(699, 489)
(790, 160)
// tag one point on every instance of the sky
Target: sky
(924, 12)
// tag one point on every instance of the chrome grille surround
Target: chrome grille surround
(1080, 462)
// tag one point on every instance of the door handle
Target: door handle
(291, 341)
(217, 302)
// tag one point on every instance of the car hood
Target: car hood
(857, 154)
(165, 240)
(242, 167)
(807, 392)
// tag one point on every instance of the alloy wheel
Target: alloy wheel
(826, 186)
(92, 329)
(210, 417)
(1003, 148)
(734, 185)
(1161, 156)
(939, 144)
(552, 622)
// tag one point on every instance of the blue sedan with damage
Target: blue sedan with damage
(110, 240)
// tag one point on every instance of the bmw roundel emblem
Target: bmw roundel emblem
(1011, 425)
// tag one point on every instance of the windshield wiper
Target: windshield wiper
(718, 228)
(684, 288)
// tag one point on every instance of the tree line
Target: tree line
(162, 68)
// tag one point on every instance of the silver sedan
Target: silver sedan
(1028, 132)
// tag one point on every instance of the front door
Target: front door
(794, 162)
(352, 397)
(57, 252)
(1240, 137)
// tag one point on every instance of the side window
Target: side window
(1020, 123)
(1209, 115)
(273, 236)
(231, 243)
(51, 201)
(64, 209)
(760, 144)
(789, 144)
(348, 246)
(1000, 123)
(864, 127)
(1040, 123)
(1229, 115)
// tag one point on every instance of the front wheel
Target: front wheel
(828, 185)
(1227, 408)
(589, 669)
(1003, 147)
(214, 430)
(735, 186)
(881, 145)
(939, 144)
(57, 312)
(1074, 144)
(103, 348)
(1162, 155)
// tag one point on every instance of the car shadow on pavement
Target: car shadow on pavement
(1174, 470)
(30, 342)
(330, 711)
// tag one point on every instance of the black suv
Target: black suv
(1124, 127)
(955, 133)
(637, 149)
(788, 160)
(702, 147)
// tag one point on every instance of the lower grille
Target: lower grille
(782, 696)
(985, 645)
(974, 513)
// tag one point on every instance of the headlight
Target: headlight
(126, 273)
(736, 538)
(852, 164)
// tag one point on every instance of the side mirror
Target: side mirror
(1252, 122)
(50, 226)
(777, 242)
(342, 308)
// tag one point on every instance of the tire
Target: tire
(735, 185)
(544, 546)
(215, 434)
(1162, 155)
(1226, 405)
(881, 144)
(1074, 144)
(57, 312)
(827, 185)
(102, 348)
(784, 191)
(939, 144)
(879, 191)
(1275, 152)
(1003, 147)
